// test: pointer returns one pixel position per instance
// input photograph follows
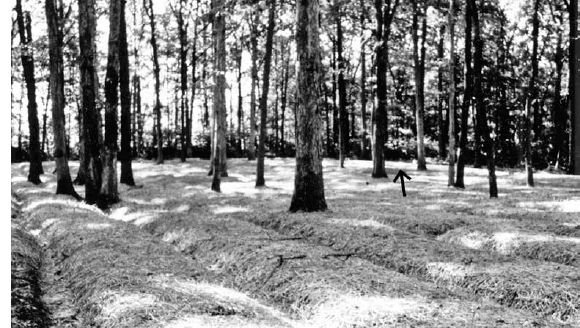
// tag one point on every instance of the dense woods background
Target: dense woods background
(180, 78)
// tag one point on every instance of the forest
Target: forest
(230, 163)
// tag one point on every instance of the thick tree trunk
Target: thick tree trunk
(109, 192)
(461, 161)
(35, 169)
(90, 128)
(55, 43)
(419, 69)
(451, 118)
(343, 133)
(219, 97)
(148, 5)
(382, 33)
(254, 73)
(308, 181)
(264, 100)
(125, 156)
(573, 103)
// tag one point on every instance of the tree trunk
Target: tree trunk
(451, 118)
(308, 181)
(335, 111)
(182, 27)
(461, 161)
(260, 182)
(90, 128)
(363, 87)
(419, 69)
(573, 103)
(382, 33)
(532, 101)
(109, 192)
(219, 97)
(148, 5)
(124, 80)
(343, 133)
(254, 51)
(44, 121)
(284, 100)
(35, 169)
(55, 43)
(441, 99)
(240, 101)
(558, 113)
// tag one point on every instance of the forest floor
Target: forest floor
(173, 253)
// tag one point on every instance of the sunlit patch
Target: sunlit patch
(433, 207)
(474, 240)
(98, 226)
(181, 208)
(229, 209)
(352, 310)
(564, 206)
(119, 213)
(447, 271)
(69, 204)
(35, 232)
(371, 223)
(19, 179)
(119, 303)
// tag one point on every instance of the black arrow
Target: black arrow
(402, 175)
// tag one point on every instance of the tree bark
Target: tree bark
(35, 168)
(109, 192)
(441, 99)
(343, 128)
(451, 118)
(219, 97)
(148, 5)
(461, 161)
(90, 128)
(125, 156)
(382, 34)
(419, 69)
(283, 102)
(532, 101)
(55, 43)
(308, 180)
(240, 100)
(254, 73)
(183, 48)
(363, 86)
(573, 105)
(260, 182)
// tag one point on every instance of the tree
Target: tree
(343, 132)
(54, 19)
(265, 89)
(182, 26)
(308, 181)
(109, 193)
(573, 105)
(254, 74)
(25, 31)
(468, 82)
(219, 97)
(419, 69)
(124, 80)
(532, 101)
(90, 128)
(363, 84)
(481, 112)
(382, 34)
(451, 151)
(148, 5)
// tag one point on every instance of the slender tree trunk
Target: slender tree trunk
(461, 161)
(284, 100)
(194, 58)
(343, 120)
(558, 113)
(532, 101)
(419, 68)
(183, 48)
(254, 51)
(109, 193)
(35, 169)
(240, 101)
(335, 111)
(124, 80)
(219, 101)
(92, 149)
(148, 5)
(265, 88)
(451, 151)
(308, 181)
(363, 86)
(44, 121)
(55, 43)
(573, 103)
(441, 98)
